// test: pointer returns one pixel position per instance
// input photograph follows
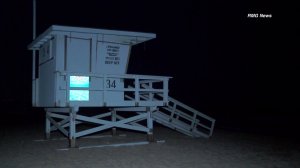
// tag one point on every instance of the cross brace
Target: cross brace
(65, 120)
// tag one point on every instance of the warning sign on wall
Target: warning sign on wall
(112, 55)
(113, 58)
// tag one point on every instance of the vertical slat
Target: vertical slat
(166, 90)
(212, 128)
(104, 90)
(114, 119)
(66, 42)
(150, 93)
(137, 89)
(48, 125)
(72, 131)
(150, 125)
(173, 110)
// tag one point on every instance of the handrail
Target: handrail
(125, 76)
(194, 121)
(137, 80)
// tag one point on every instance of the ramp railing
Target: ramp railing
(185, 119)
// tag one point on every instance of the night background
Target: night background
(241, 71)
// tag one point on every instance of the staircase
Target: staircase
(184, 119)
(180, 117)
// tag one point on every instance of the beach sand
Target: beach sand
(22, 145)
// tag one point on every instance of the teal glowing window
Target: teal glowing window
(79, 95)
(80, 81)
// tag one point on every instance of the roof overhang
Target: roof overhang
(104, 35)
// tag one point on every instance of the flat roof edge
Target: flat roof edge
(101, 31)
(70, 29)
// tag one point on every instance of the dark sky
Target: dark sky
(223, 63)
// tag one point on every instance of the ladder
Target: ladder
(180, 117)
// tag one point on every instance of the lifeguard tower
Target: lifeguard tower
(86, 67)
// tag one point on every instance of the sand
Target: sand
(22, 145)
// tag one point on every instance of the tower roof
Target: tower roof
(104, 35)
